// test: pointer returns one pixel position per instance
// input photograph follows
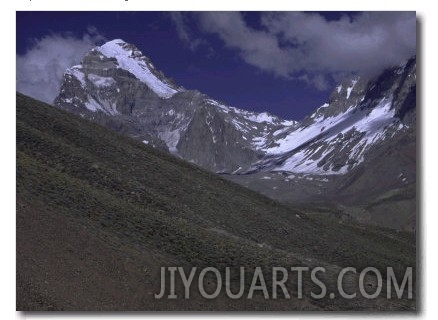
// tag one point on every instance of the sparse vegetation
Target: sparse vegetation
(96, 209)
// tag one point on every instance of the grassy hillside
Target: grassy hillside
(98, 214)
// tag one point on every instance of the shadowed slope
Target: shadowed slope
(98, 214)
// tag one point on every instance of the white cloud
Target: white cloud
(308, 47)
(367, 43)
(184, 32)
(40, 69)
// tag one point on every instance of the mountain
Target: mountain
(99, 213)
(359, 115)
(353, 149)
(118, 87)
(352, 152)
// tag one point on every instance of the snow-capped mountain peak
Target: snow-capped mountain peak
(132, 60)
(117, 86)
(99, 69)
(360, 114)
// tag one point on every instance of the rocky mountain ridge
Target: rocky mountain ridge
(118, 87)
(359, 115)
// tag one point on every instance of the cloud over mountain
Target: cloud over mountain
(40, 69)
(308, 46)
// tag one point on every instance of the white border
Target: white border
(428, 57)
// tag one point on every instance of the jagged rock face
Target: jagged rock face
(360, 115)
(118, 87)
(211, 141)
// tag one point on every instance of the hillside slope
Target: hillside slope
(98, 214)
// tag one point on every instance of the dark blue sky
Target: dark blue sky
(214, 68)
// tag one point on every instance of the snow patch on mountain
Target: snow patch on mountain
(349, 89)
(78, 74)
(261, 117)
(304, 134)
(137, 66)
(301, 162)
(170, 138)
(107, 107)
(92, 105)
(221, 106)
(259, 142)
(100, 81)
(373, 126)
(303, 149)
